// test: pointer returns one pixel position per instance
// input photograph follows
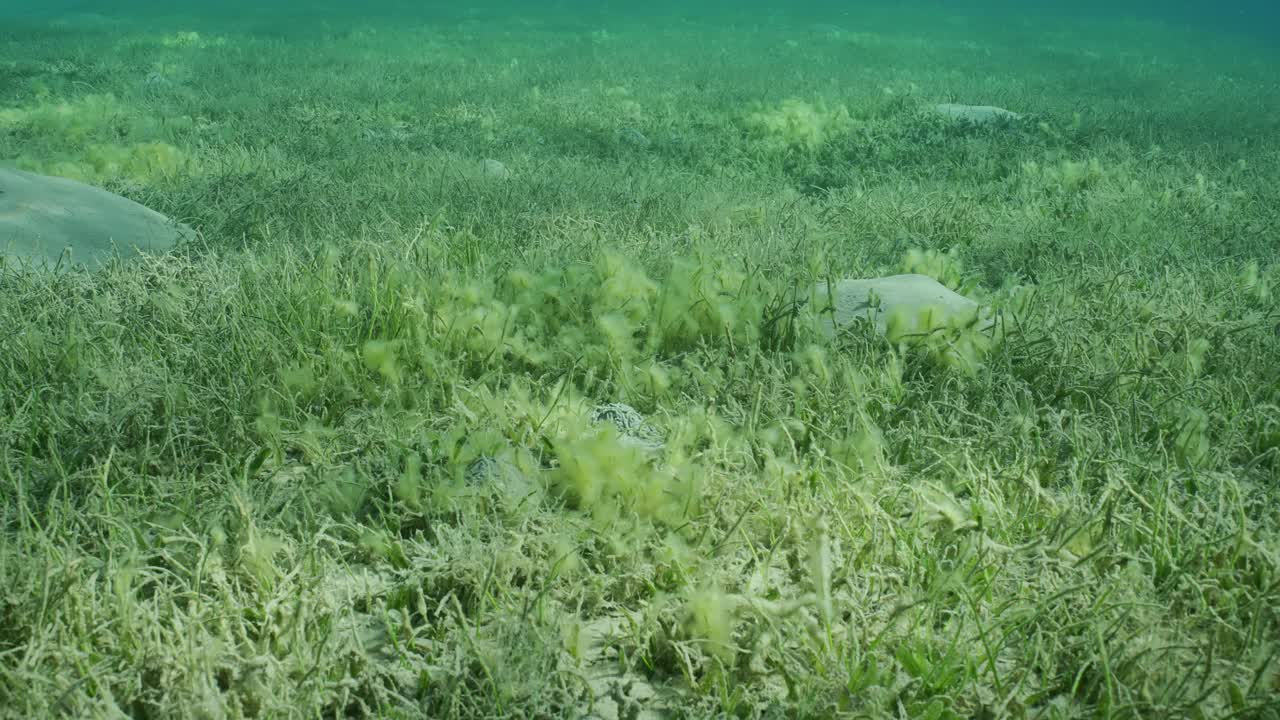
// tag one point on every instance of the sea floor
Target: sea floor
(496, 384)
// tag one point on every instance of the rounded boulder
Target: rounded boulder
(46, 221)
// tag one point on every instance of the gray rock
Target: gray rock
(633, 137)
(489, 470)
(976, 114)
(828, 29)
(876, 298)
(42, 217)
(632, 428)
(494, 169)
(156, 82)
(501, 480)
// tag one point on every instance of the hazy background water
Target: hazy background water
(1252, 17)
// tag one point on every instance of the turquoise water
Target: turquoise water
(1254, 17)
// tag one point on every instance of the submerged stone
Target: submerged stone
(876, 299)
(501, 480)
(976, 114)
(828, 29)
(491, 470)
(633, 137)
(633, 429)
(495, 169)
(47, 219)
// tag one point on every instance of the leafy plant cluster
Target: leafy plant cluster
(95, 138)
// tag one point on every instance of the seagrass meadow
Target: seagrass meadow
(343, 454)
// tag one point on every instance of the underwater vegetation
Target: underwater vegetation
(797, 125)
(94, 138)
(497, 384)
